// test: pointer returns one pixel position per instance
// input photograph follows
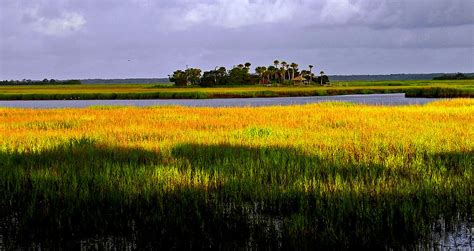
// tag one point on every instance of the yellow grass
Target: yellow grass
(352, 172)
(311, 128)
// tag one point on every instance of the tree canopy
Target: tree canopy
(280, 72)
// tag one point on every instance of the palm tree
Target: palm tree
(282, 73)
(215, 75)
(261, 72)
(293, 66)
(296, 68)
(322, 74)
(268, 74)
(311, 73)
(240, 66)
(272, 71)
(304, 73)
(247, 65)
(285, 67)
(276, 63)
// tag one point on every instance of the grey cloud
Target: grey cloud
(38, 38)
(371, 13)
(416, 14)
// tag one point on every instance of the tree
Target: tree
(209, 78)
(222, 76)
(240, 76)
(222, 71)
(282, 73)
(261, 72)
(321, 80)
(293, 66)
(193, 75)
(271, 72)
(305, 73)
(189, 76)
(71, 82)
(276, 63)
(215, 75)
(311, 73)
(179, 78)
(458, 76)
(285, 67)
(218, 76)
(247, 65)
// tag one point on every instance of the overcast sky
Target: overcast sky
(66, 39)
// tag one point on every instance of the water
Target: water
(458, 236)
(370, 99)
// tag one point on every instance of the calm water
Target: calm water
(460, 236)
(372, 99)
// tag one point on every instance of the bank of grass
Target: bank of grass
(439, 92)
(331, 175)
(91, 92)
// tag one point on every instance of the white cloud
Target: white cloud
(339, 11)
(50, 21)
(65, 24)
(238, 13)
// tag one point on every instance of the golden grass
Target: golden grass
(309, 127)
(335, 162)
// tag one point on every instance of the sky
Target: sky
(69, 39)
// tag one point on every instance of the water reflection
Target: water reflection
(456, 234)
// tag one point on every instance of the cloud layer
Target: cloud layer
(372, 13)
(238, 13)
(67, 23)
(146, 38)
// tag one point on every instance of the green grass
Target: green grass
(332, 176)
(439, 92)
(88, 92)
(75, 180)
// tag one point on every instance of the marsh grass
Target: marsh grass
(91, 92)
(328, 175)
(441, 93)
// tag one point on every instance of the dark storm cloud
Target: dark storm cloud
(145, 38)
(402, 13)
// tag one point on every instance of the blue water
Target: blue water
(371, 99)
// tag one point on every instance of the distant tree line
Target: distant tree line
(458, 76)
(280, 73)
(42, 82)
(125, 81)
